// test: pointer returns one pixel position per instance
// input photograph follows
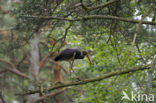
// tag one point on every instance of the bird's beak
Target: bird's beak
(89, 58)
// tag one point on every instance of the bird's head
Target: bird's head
(86, 53)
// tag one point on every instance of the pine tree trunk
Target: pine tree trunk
(34, 66)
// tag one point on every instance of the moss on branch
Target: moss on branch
(105, 76)
(93, 17)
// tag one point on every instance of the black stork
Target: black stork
(70, 54)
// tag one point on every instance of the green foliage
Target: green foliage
(109, 40)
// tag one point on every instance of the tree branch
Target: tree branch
(135, 35)
(51, 94)
(13, 69)
(3, 10)
(93, 17)
(1, 97)
(17, 72)
(2, 71)
(102, 5)
(45, 58)
(105, 76)
(8, 62)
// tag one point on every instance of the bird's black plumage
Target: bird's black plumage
(69, 53)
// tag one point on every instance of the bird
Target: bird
(70, 54)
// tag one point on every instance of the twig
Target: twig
(137, 46)
(51, 94)
(2, 98)
(105, 76)
(83, 6)
(45, 58)
(102, 5)
(21, 61)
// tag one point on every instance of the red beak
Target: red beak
(89, 58)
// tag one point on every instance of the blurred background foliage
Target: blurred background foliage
(110, 42)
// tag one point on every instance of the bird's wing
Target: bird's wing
(67, 54)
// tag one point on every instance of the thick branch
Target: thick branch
(94, 17)
(105, 76)
(118, 18)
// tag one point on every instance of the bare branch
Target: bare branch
(17, 72)
(13, 69)
(51, 94)
(45, 58)
(8, 62)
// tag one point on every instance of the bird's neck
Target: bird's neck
(82, 53)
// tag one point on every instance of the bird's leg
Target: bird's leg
(72, 62)
(70, 69)
(71, 66)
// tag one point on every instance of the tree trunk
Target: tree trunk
(34, 66)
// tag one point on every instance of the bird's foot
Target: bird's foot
(78, 78)
(58, 83)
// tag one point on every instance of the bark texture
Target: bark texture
(34, 66)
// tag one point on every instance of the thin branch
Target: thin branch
(8, 62)
(21, 61)
(17, 72)
(105, 76)
(3, 10)
(93, 17)
(51, 94)
(83, 6)
(102, 5)
(66, 32)
(13, 69)
(2, 71)
(45, 58)
(135, 35)
(137, 46)
(1, 97)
